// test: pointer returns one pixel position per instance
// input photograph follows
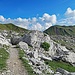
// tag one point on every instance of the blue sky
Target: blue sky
(37, 14)
(30, 8)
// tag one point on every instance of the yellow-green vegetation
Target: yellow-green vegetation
(25, 62)
(12, 27)
(45, 45)
(3, 57)
(60, 64)
(61, 30)
(5, 47)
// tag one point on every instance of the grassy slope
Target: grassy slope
(3, 57)
(61, 30)
(12, 27)
(60, 64)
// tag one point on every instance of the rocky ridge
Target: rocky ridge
(36, 55)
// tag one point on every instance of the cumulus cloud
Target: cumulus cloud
(70, 12)
(40, 23)
(47, 18)
(47, 25)
(69, 18)
(37, 26)
(2, 18)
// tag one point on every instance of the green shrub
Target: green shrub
(45, 45)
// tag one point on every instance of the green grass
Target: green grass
(61, 30)
(60, 64)
(25, 62)
(11, 27)
(3, 57)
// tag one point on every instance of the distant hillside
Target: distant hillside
(61, 30)
(12, 27)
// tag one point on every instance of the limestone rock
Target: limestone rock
(36, 54)
(46, 58)
(70, 57)
(57, 73)
(3, 40)
(62, 71)
(72, 73)
(35, 38)
(23, 45)
(15, 40)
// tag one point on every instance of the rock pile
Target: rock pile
(36, 55)
(31, 42)
(3, 40)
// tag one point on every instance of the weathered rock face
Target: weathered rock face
(61, 71)
(15, 40)
(64, 54)
(34, 38)
(37, 55)
(70, 58)
(23, 45)
(56, 51)
(3, 40)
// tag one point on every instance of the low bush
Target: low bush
(45, 45)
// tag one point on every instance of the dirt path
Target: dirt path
(14, 64)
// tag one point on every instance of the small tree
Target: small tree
(45, 45)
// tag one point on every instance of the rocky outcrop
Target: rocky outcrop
(3, 40)
(34, 38)
(37, 55)
(61, 71)
(15, 40)
(70, 58)
(23, 45)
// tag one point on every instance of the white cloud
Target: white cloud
(70, 12)
(69, 18)
(47, 18)
(43, 22)
(40, 23)
(47, 25)
(37, 26)
(19, 19)
(2, 18)
(34, 19)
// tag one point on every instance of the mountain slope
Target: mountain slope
(12, 27)
(61, 30)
